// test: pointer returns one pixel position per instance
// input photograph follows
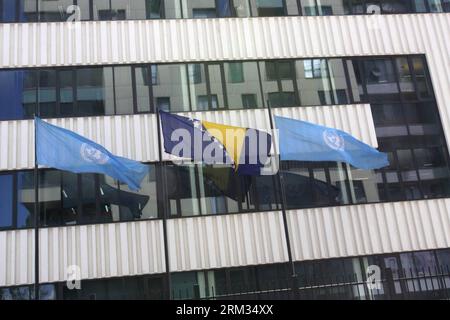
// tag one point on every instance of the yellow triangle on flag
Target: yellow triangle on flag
(232, 138)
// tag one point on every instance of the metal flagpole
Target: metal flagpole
(36, 218)
(164, 188)
(280, 180)
(36, 201)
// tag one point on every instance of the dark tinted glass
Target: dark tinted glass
(6, 200)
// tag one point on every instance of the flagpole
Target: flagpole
(36, 216)
(280, 180)
(164, 188)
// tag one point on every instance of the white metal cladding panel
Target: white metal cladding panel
(369, 229)
(226, 241)
(196, 243)
(132, 136)
(101, 251)
(110, 42)
(135, 136)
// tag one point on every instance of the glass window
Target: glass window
(323, 7)
(379, 82)
(25, 199)
(435, 5)
(313, 80)
(50, 197)
(142, 81)
(354, 78)
(235, 72)
(8, 10)
(279, 83)
(135, 205)
(70, 192)
(47, 93)
(17, 94)
(365, 185)
(95, 92)
(422, 119)
(197, 86)
(85, 9)
(123, 90)
(171, 87)
(268, 8)
(241, 8)
(138, 9)
(406, 80)
(153, 9)
(339, 180)
(216, 77)
(396, 6)
(131, 10)
(6, 200)
(199, 8)
(15, 293)
(310, 180)
(183, 191)
(102, 10)
(172, 9)
(422, 78)
(184, 285)
(66, 92)
(446, 5)
(249, 101)
(215, 8)
(197, 189)
(88, 198)
(420, 6)
(28, 11)
(54, 10)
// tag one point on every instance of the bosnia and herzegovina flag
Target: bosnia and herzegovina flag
(246, 150)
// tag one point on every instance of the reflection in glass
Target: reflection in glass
(6, 200)
(313, 82)
(170, 87)
(142, 81)
(279, 83)
(268, 8)
(27, 11)
(66, 92)
(55, 10)
(140, 204)
(17, 94)
(25, 199)
(123, 90)
(47, 93)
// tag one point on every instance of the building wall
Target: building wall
(208, 242)
(136, 247)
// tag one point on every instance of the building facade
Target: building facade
(376, 69)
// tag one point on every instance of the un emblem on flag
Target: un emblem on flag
(333, 140)
(91, 154)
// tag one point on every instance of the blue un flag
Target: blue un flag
(65, 150)
(305, 141)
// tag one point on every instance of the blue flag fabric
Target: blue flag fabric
(65, 150)
(305, 141)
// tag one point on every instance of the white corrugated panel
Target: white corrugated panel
(135, 136)
(117, 42)
(221, 241)
(101, 251)
(369, 229)
(226, 241)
